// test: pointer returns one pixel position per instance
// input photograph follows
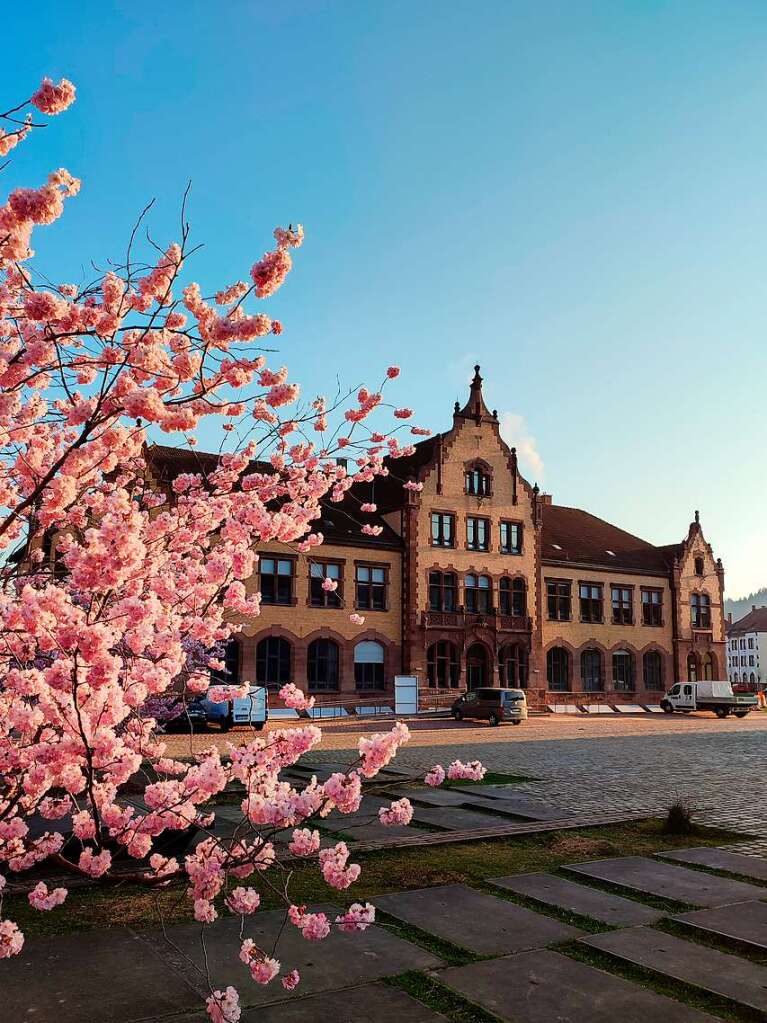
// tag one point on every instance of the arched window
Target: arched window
(692, 668)
(442, 665)
(512, 661)
(700, 611)
(558, 669)
(708, 667)
(592, 676)
(623, 671)
(369, 665)
(477, 481)
(652, 668)
(477, 593)
(735, 678)
(752, 679)
(229, 675)
(273, 662)
(443, 591)
(512, 597)
(322, 666)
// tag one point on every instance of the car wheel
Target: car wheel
(740, 713)
(226, 723)
(258, 725)
(517, 721)
(458, 715)
(494, 719)
(722, 712)
(666, 707)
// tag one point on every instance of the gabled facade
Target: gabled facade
(478, 579)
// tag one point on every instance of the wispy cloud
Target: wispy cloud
(516, 433)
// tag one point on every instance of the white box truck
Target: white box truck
(708, 695)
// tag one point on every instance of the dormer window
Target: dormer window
(477, 481)
(699, 566)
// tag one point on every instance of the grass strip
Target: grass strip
(439, 998)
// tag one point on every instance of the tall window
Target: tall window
(700, 611)
(558, 599)
(708, 667)
(443, 591)
(273, 662)
(512, 597)
(229, 675)
(558, 669)
(477, 533)
(652, 607)
(692, 668)
(370, 584)
(512, 662)
(322, 666)
(477, 593)
(700, 568)
(511, 538)
(592, 678)
(623, 671)
(442, 665)
(276, 580)
(442, 529)
(591, 602)
(369, 665)
(320, 571)
(477, 482)
(652, 666)
(622, 610)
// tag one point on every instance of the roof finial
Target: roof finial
(697, 517)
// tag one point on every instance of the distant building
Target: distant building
(747, 649)
(477, 580)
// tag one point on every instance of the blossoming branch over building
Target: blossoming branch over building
(468, 576)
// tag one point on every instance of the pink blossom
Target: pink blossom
(292, 697)
(435, 776)
(243, 901)
(471, 771)
(357, 917)
(11, 939)
(53, 99)
(369, 530)
(304, 842)
(334, 869)
(329, 585)
(224, 1006)
(393, 372)
(400, 812)
(41, 898)
(416, 488)
(368, 507)
(403, 413)
(291, 980)
(356, 619)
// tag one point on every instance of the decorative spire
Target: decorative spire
(475, 408)
(697, 517)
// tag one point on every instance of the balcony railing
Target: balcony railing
(462, 619)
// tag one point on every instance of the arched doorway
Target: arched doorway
(692, 668)
(477, 667)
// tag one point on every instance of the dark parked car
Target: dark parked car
(175, 713)
(493, 705)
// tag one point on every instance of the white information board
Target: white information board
(405, 694)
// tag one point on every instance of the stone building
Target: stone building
(479, 579)
(747, 649)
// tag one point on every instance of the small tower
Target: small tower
(475, 408)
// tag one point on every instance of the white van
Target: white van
(250, 710)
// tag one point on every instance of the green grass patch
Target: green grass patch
(702, 1000)
(383, 871)
(491, 778)
(440, 998)
(730, 946)
(452, 955)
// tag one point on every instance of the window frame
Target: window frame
(561, 599)
(371, 566)
(622, 608)
(378, 682)
(508, 526)
(477, 480)
(552, 669)
(624, 685)
(700, 612)
(267, 657)
(473, 523)
(277, 575)
(478, 599)
(323, 686)
(587, 676)
(655, 607)
(442, 588)
(332, 599)
(440, 540)
(449, 658)
(649, 683)
(595, 614)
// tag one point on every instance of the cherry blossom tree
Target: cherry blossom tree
(115, 590)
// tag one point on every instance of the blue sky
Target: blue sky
(572, 194)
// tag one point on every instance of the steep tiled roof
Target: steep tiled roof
(754, 621)
(574, 536)
(340, 523)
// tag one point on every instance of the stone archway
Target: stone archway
(477, 667)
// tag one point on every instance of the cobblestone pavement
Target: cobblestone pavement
(640, 763)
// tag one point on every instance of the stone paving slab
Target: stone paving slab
(577, 898)
(453, 818)
(721, 859)
(442, 797)
(111, 976)
(745, 922)
(666, 880)
(340, 961)
(489, 791)
(546, 987)
(374, 1003)
(474, 920)
(716, 972)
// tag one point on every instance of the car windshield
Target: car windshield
(512, 695)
